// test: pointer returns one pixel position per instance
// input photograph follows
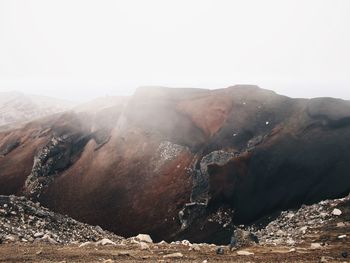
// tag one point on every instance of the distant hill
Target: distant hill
(17, 108)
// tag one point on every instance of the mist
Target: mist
(79, 50)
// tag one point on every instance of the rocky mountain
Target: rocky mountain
(17, 108)
(182, 163)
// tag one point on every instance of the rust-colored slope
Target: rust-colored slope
(209, 113)
(16, 161)
(184, 163)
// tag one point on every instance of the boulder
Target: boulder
(144, 238)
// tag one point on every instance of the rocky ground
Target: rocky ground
(23, 221)
(324, 222)
(31, 233)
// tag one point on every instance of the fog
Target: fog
(82, 49)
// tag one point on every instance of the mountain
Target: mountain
(17, 108)
(182, 163)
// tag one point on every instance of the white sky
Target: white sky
(79, 49)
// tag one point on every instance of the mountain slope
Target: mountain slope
(182, 163)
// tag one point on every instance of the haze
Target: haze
(83, 49)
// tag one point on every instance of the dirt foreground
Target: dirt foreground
(315, 233)
(43, 252)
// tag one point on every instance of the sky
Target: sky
(81, 49)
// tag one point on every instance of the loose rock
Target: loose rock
(336, 212)
(315, 246)
(144, 246)
(26, 221)
(174, 255)
(144, 238)
(105, 242)
(220, 251)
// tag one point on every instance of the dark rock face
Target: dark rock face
(183, 163)
(56, 156)
(9, 146)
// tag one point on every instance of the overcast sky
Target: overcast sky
(79, 49)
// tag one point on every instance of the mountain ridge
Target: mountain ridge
(172, 159)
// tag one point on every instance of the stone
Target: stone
(105, 241)
(134, 241)
(315, 246)
(342, 236)
(336, 212)
(244, 253)
(220, 251)
(303, 229)
(144, 246)
(290, 215)
(323, 214)
(341, 224)
(290, 242)
(85, 244)
(280, 233)
(99, 229)
(185, 242)
(241, 238)
(11, 238)
(174, 255)
(39, 234)
(144, 238)
(195, 247)
(48, 239)
(324, 259)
